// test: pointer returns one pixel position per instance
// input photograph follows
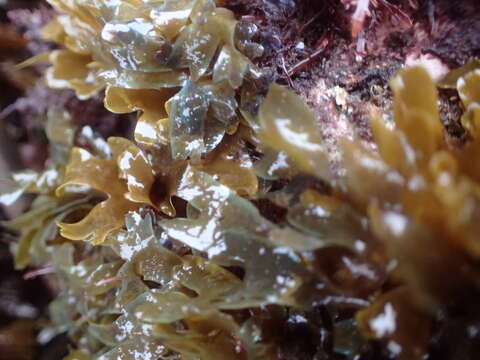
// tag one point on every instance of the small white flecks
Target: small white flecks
(407, 148)
(191, 50)
(132, 181)
(222, 60)
(87, 131)
(110, 30)
(218, 248)
(9, 198)
(399, 82)
(359, 269)
(281, 280)
(372, 164)
(142, 355)
(298, 319)
(272, 299)
(394, 348)
(127, 327)
(194, 145)
(136, 217)
(189, 193)
(146, 130)
(84, 155)
(22, 310)
(79, 270)
(77, 189)
(472, 331)
(319, 211)
(198, 237)
(300, 46)
(25, 177)
(128, 250)
(396, 223)
(138, 25)
(384, 324)
(45, 335)
(392, 264)
(186, 112)
(49, 177)
(279, 163)
(460, 83)
(360, 246)
(164, 18)
(299, 139)
(125, 160)
(394, 177)
(283, 250)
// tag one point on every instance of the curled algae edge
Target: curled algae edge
(217, 277)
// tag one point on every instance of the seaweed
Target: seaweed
(126, 179)
(121, 46)
(221, 226)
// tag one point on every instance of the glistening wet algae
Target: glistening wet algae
(160, 245)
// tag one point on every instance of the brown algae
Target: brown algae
(159, 243)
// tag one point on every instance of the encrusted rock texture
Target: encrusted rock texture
(342, 67)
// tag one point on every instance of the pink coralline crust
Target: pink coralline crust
(435, 67)
(367, 42)
(29, 22)
(333, 125)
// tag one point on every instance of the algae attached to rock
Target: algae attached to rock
(220, 231)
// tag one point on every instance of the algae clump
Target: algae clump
(221, 227)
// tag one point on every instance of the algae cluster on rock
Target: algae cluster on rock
(219, 231)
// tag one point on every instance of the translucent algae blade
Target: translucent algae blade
(216, 201)
(417, 116)
(199, 115)
(126, 180)
(188, 111)
(288, 125)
